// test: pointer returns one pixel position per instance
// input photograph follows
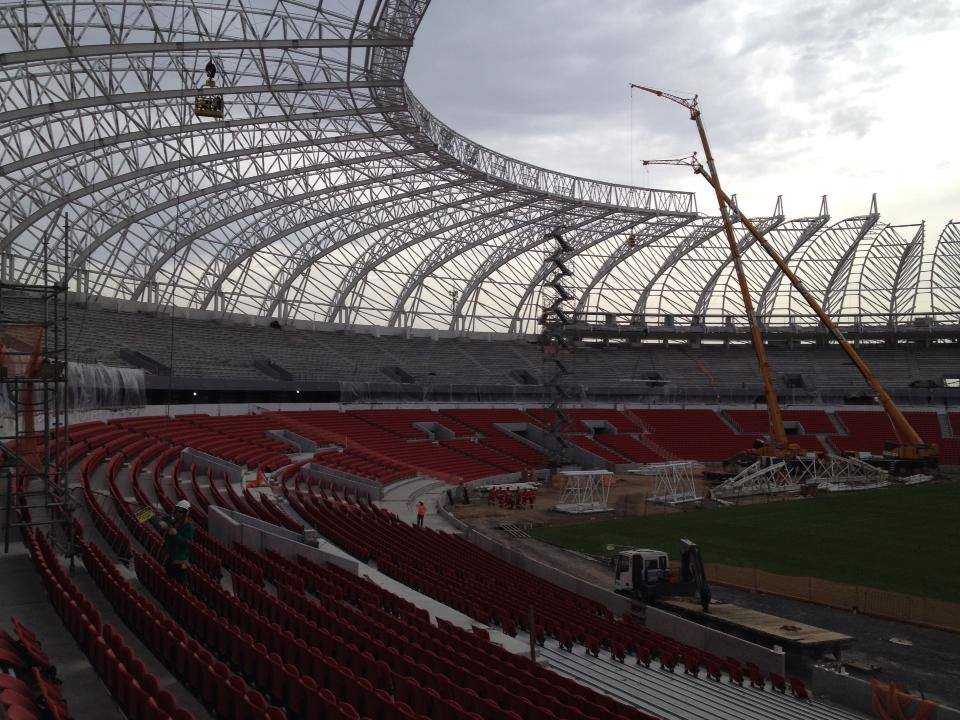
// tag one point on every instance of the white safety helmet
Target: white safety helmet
(183, 505)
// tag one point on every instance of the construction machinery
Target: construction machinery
(909, 454)
(208, 104)
(645, 575)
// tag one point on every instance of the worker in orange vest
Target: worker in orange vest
(421, 511)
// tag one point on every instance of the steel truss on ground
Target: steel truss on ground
(673, 482)
(329, 193)
(833, 473)
(584, 491)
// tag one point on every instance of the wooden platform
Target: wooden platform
(788, 633)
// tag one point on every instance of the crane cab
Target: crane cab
(209, 105)
(635, 571)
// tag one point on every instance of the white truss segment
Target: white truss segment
(771, 476)
(584, 491)
(673, 482)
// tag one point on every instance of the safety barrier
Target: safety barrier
(913, 609)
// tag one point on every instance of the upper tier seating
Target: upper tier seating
(868, 430)
(757, 421)
(224, 349)
(693, 434)
(630, 448)
(592, 446)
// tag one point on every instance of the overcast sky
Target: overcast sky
(798, 98)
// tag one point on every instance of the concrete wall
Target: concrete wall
(344, 479)
(714, 641)
(299, 441)
(857, 694)
(230, 526)
(203, 461)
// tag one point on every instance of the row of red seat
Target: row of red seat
(459, 574)
(362, 465)
(463, 576)
(224, 693)
(135, 690)
(28, 685)
(511, 681)
(252, 646)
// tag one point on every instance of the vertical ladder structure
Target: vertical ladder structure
(556, 317)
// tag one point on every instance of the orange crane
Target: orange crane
(910, 451)
(778, 435)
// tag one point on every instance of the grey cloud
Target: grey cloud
(547, 80)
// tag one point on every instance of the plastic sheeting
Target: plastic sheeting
(91, 386)
(96, 386)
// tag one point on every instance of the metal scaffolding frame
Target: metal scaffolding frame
(328, 192)
(34, 418)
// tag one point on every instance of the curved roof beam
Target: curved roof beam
(906, 281)
(623, 253)
(127, 99)
(945, 271)
(74, 52)
(767, 299)
(358, 272)
(350, 209)
(422, 215)
(764, 225)
(836, 286)
(96, 144)
(650, 226)
(707, 229)
(520, 245)
(180, 200)
(441, 255)
(554, 184)
(181, 165)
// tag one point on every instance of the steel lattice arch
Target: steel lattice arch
(329, 193)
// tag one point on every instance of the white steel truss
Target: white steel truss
(328, 192)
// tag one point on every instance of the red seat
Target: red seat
(17, 712)
(294, 690)
(9, 682)
(798, 689)
(16, 698)
(224, 694)
(10, 659)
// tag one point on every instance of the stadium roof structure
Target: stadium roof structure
(327, 192)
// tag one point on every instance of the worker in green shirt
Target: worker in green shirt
(178, 537)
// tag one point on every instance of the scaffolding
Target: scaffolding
(556, 317)
(33, 408)
(585, 491)
(673, 482)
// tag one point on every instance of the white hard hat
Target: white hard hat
(183, 505)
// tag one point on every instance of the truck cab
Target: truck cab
(635, 570)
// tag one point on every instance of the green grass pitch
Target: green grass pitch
(905, 539)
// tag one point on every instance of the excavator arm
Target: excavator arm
(692, 570)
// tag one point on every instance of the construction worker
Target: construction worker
(178, 537)
(421, 511)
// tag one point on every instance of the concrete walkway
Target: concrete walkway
(402, 497)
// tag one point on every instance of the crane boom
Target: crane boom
(904, 430)
(777, 431)
(911, 445)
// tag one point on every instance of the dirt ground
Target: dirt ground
(629, 497)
